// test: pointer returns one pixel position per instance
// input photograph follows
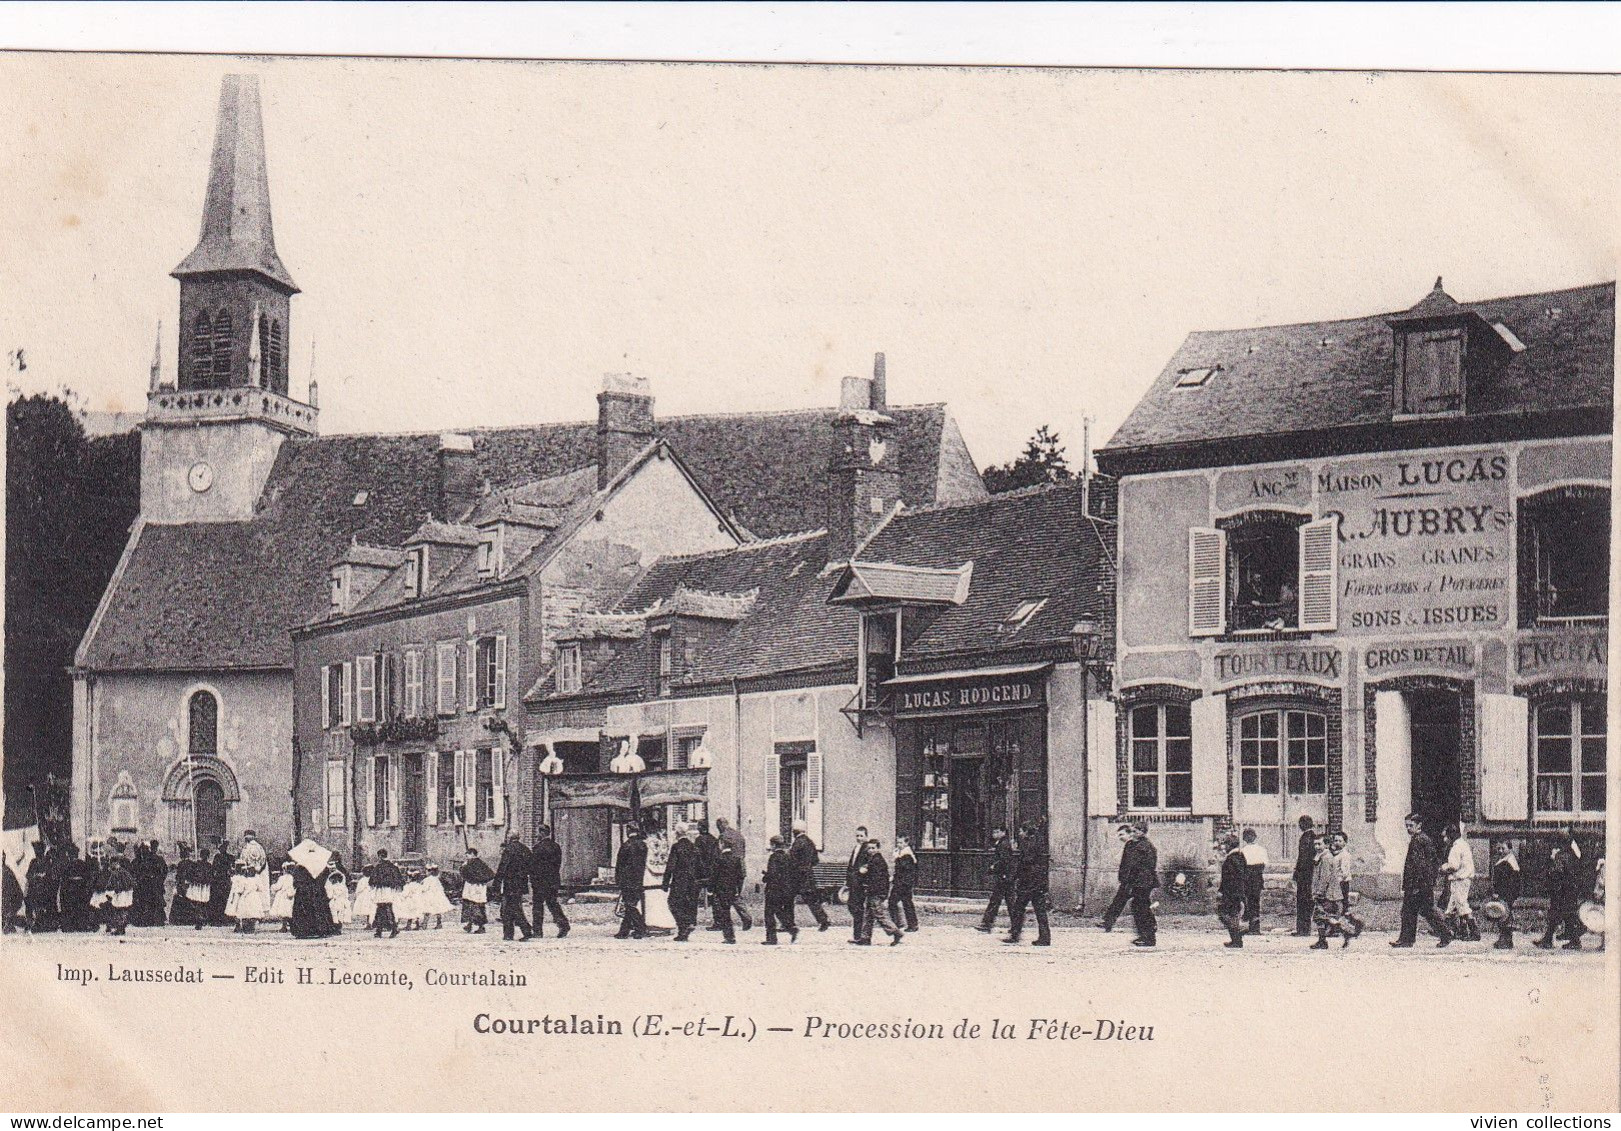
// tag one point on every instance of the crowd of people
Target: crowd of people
(310, 895)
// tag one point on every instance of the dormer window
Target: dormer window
(568, 668)
(489, 554)
(666, 663)
(416, 561)
(339, 588)
(1431, 372)
(1023, 613)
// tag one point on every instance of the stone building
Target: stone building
(1364, 571)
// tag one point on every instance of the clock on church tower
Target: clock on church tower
(209, 441)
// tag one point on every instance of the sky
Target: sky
(479, 242)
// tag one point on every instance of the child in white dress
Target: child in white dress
(409, 909)
(434, 901)
(365, 903)
(281, 898)
(337, 897)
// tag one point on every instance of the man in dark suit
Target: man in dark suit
(1122, 893)
(1418, 887)
(681, 881)
(1567, 887)
(1140, 877)
(1030, 886)
(546, 874)
(708, 852)
(224, 865)
(1232, 892)
(873, 872)
(802, 859)
(779, 894)
(726, 885)
(726, 834)
(630, 871)
(512, 876)
(1305, 866)
(852, 883)
(1000, 878)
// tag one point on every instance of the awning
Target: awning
(564, 734)
(968, 673)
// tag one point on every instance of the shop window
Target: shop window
(1161, 737)
(970, 783)
(1263, 571)
(1565, 557)
(1568, 741)
(1283, 749)
(203, 720)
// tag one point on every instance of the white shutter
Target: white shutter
(813, 796)
(345, 685)
(445, 660)
(1207, 582)
(393, 765)
(326, 696)
(1505, 758)
(1209, 756)
(371, 793)
(472, 675)
(461, 787)
(498, 780)
(366, 688)
(1102, 792)
(326, 796)
(773, 796)
(500, 672)
(1319, 574)
(432, 799)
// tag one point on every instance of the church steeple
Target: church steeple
(234, 288)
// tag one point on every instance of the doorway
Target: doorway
(1435, 726)
(208, 804)
(412, 825)
(583, 834)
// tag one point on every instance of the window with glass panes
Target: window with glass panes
(1570, 760)
(1161, 756)
(1282, 748)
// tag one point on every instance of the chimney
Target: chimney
(864, 478)
(880, 383)
(459, 483)
(624, 423)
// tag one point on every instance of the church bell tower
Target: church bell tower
(208, 443)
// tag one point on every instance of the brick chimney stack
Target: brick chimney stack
(864, 476)
(459, 483)
(880, 383)
(624, 423)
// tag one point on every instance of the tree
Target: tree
(1042, 461)
(70, 501)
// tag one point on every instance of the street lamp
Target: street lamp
(1086, 641)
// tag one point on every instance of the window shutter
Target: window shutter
(347, 706)
(326, 696)
(326, 796)
(366, 689)
(500, 672)
(1102, 792)
(1392, 764)
(393, 765)
(413, 685)
(813, 796)
(1209, 756)
(1207, 582)
(371, 793)
(1505, 758)
(460, 788)
(498, 781)
(472, 675)
(432, 798)
(446, 673)
(773, 788)
(1319, 579)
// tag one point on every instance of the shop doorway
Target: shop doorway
(412, 822)
(1435, 727)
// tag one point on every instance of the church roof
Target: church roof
(236, 233)
(225, 595)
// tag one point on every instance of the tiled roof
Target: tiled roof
(245, 585)
(869, 580)
(386, 557)
(1026, 546)
(604, 626)
(688, 602)
(1321, 375)
(445, 534)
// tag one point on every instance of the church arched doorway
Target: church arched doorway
(209, 801)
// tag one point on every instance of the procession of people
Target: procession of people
(113, 887)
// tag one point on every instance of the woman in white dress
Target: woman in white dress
(281, 897)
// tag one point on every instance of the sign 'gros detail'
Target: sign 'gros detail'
(1450, 655)
(1007, 693)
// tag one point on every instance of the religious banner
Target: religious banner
(589, 791)
(672, 787)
